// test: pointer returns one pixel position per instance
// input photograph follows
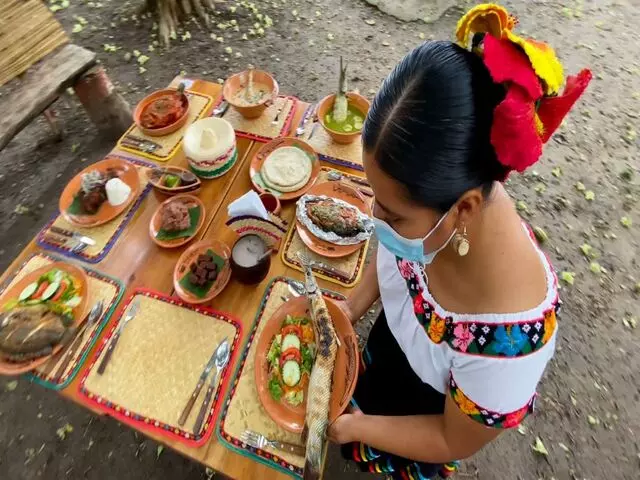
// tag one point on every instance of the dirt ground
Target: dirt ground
(588, 416)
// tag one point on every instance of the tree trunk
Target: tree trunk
(170, 12)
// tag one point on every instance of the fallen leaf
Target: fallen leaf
(385, 43)
(522, 430)
(540, 188)
(11, 386)
(74, 147)
(564, 447)
(540, 235)
(589, 195)
(586, 249)
(574, 401)
(593, 420)
(626, 222)
(64, 430)
(370, 21)
(580, 187)
(159, 451)
(185, 36)
(421, 36)
(595, 267)
(556, 172)
(77, 28)
(330, 36)
(142, 59)
(521, 206)
(539, 447)
(568, 277)
(21, 209)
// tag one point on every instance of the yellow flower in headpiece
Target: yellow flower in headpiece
(496, 21)
(543, 60)
(486, 17)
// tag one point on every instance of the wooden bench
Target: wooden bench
(32, 93)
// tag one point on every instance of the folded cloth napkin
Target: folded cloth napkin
(248, 204)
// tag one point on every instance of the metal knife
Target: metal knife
(196, 391)
(71, 234)
(324, 268)
(133, 310)
(223, 353)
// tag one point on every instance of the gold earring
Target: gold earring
(461, 243)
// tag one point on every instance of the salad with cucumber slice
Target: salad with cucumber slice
(56, 289)
(290, 360)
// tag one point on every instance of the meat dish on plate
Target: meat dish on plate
(333, 220)
(96, 188)
(40, 317)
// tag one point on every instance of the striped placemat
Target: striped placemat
(156, 365)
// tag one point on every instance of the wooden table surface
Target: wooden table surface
(138, 262)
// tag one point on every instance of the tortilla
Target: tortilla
(287, 169)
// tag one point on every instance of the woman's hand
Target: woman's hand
(344, 429)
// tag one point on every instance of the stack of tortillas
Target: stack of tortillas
(286, 169)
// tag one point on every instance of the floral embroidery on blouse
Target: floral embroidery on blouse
(493, 339)
(487, 417)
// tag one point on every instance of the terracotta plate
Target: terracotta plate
(345, 374)
(156, 179)
(106, 212)
(189, 256)
(343, 192)
(166, 130)
(156, 220)
(12, 368)
(262, 154)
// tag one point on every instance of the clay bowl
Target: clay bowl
(238, 81)
(12, 368)
(270, 202)
(159, 132)
(128, 173)
(326, 105)
(157, 176)
(156, 221)
(268, 148)
(345, 373)
(190, 256)
(342, 192)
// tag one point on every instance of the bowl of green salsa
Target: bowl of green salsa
(350, 129)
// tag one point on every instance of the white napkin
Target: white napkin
(248, 204)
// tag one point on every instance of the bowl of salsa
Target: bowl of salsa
(350, 129)
(163, 112)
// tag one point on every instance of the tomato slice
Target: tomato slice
(295, 329)
(41, 288)
(290, 354)
(61, 289)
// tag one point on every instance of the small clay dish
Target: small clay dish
(326, 104)
(270, 202)
(189, 183)
(268, 148)
(183, 268)
(345, 372)
(156, 221)
(14, 368)
(240, 80)
(165, 130)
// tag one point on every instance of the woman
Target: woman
(470, 302)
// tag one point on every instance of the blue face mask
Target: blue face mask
(411, 249)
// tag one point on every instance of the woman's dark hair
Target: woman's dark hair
(429, 125)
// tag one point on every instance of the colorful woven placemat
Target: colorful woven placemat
(198, 105)
(262, 128)
(345, 271)
(157, 363)
(349, 155)
(105, 235)
(101, 287)
(242, 409)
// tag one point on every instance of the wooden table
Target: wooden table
(138, 262)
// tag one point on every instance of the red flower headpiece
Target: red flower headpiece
(532, 74)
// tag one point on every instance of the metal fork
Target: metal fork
(276, 119)
(259, 441)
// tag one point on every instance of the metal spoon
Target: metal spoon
(223, 353)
